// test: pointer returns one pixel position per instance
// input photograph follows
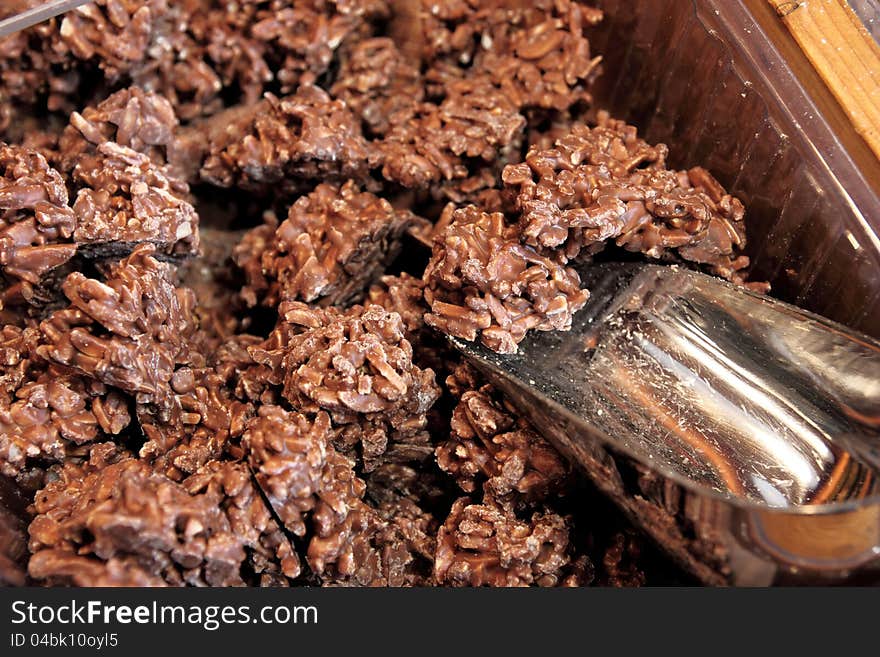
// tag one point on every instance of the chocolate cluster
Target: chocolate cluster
(233, 239)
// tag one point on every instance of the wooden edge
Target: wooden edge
(844, 54)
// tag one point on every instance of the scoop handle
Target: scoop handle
(38, 14)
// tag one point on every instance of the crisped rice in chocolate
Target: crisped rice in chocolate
(455, 146)
(357, 366)
(605, 183)
(65, 568)
(483, 282)
(270, 555)
(403, 497)
(379, 84)
(125, 199)
(200, 48)
(536, 52)
(51, 58)
(206, 55)
(301, 38)
(487, 545)
(26, 65)
(128, 331)
(199, 532)
(113, 33)
(142, 121)
(333, 244)
(52, 411)
(489, 443)
(282, 144)
(543, 60)
(406, 295)
(196, 425)
(194, 400)
(288, 453)
(36, 224)
(317, 496)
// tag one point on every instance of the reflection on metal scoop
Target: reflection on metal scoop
(741, 433)
(37, 14)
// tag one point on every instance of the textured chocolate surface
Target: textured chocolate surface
(490, 445)
(604, 183)
(125, 199)
(278, 144)
(36, 223)
(196, 532)
(487, 545)
(233, 239)
(357, 366)
(144, 122)
(483, 281)
(333, 244)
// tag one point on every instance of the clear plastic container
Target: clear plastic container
(725, 86)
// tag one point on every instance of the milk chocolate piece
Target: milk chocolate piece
(489, 444)
(142, 121)
(52, 411)
(280, 144)
(537, 53)
(357, 366)
(487, 545)
(125, 199)
(317, 495)
(302, 38)
(36, 224)
(205, 531)
(114, 33)
(379, 84)
(604, 183)
(456, 142)
(128, 331)
(483, 282)
(333, 244)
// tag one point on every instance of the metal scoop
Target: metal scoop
(740, 432)
(37, 14)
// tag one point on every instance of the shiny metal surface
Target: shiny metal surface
(37, 14)
(743, 434)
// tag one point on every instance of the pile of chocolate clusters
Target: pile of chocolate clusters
(232, 235)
